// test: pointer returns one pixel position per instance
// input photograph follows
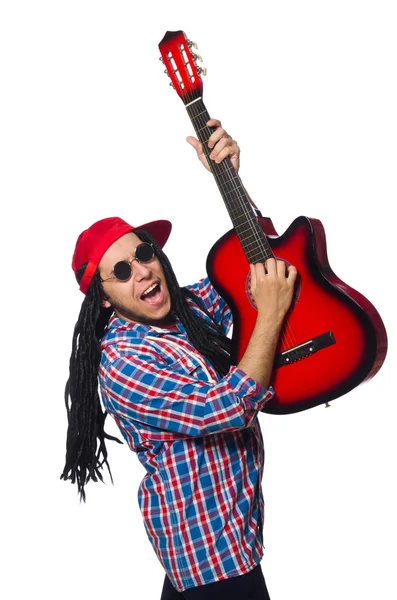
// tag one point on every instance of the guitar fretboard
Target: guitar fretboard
(252, 238)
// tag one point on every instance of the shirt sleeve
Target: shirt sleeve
(213, 302)
(168, 403)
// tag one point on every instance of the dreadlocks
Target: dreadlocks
(85, 416)
(85, 446)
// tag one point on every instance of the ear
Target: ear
(105, 303)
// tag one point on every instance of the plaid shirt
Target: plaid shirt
(198, 436)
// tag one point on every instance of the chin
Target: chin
(164, 315)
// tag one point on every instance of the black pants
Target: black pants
(250, 586)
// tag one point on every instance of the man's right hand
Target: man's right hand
(272, 286)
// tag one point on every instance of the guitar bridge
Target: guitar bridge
(304, 350)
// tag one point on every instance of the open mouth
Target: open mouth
(154, 295)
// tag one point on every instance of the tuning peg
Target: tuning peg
(202, 71)
(166, 72)
(161, 59)
(190, 44)
(197, 57)
(172, 85)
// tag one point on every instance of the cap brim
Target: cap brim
(160, 230)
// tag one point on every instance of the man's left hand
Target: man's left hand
(221, 143)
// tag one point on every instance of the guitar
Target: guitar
(332, 339)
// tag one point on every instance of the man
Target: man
(162, 356)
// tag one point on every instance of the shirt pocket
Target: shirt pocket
(185, 365)
(195, 367)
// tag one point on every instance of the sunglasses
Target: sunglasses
(122, 270)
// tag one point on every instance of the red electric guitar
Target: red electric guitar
(333, 338)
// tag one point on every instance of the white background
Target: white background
(90, 129)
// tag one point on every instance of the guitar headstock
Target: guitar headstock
(181, 65)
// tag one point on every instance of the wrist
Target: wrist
(269, 322)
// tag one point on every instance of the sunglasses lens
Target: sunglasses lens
(122, 270)
(144, 252)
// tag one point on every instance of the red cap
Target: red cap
(92, 243)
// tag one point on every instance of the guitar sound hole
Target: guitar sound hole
(251, 297)
(248, 291)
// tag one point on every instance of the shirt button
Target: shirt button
(189, 363)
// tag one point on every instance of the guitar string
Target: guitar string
(286, 337)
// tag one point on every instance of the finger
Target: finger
(199, 149)
(195, 143)
(270, 266)
(281, 268)
(260, 272)
(227, 151)
(292, 273)
(214, 123)
(253, 278)
(220, 144)
(216, 136)
(226, 147)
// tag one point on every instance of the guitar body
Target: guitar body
(323, 304)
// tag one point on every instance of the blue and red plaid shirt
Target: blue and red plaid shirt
(198, 436)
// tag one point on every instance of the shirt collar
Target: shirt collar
(142, 329)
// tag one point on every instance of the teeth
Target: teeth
(151, 288)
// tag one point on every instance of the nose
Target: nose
(141, 270)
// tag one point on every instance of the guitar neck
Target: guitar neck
(252, 238)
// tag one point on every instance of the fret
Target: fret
(258, 259)
(236, 220)
(241, 217)
(246, 246)
(223, 172)
(237, 195)
(199, 114)
(242, 221)
(234, 188)
(204, 142)
(258, 239)
(261, 247)
(226, 168)
(235, 192)
(239, 209)
(201, 129)
(255, 257)
(223, 167)
(259, 253)
(248, 237)
(236, 199)
(249, 228)
(203, 139)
